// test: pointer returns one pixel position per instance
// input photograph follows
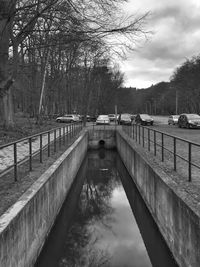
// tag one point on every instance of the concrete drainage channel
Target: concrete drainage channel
(24, 227)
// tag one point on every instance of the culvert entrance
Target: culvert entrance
(101, 143)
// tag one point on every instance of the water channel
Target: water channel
(104, 222)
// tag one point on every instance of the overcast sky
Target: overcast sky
(176, 27)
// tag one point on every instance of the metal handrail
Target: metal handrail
(59, 134)
(151, 138)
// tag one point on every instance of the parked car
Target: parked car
(68, 118)
(173, 119)
(112, 117)
(124, 119)
(88, 118)
(144, 119)
(93, 118)
(189, 121)
(133, 117)
(103, 119)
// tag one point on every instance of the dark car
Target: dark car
(189, 121)
(124, 119)
(144, 119)
(112, 117)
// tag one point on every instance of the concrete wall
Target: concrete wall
(175, 211)
(106, 135)
(24, 227)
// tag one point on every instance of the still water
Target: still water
(104, 222)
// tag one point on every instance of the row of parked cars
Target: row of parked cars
(125, 119)
(122, 119)
(185, 120)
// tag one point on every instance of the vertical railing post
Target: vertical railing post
(68, 133)
(143, 136)
(154, 142)
(71, 133)
(64, 135)
(139, 133)
(30, 154)
(60, 137)
(40, 148)
(15, 162)
(136, 130)
(162, 146)
(189, 162)
(54, 140)
(48, 144)
(148, 139)
(133, 131)
(174, 153)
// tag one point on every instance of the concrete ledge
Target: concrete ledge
(175, 211)
(24, 227)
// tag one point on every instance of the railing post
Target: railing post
(60, 137)
(143, 136)
(30, 154)
(148, 139)
(54, 140)
(40, 148)
(48, 144)
(154, 142)
(68, 133)
(174, 154)
(136, 130)
(71, 132)
(189, 162)
(15, 162)
(139, 133)
(133, 131)
(162, 146)
(64, 135)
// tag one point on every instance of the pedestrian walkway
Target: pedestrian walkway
(7, 153)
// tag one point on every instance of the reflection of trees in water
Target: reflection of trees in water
(93, 206)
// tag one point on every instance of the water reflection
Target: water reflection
(158, 251)
(96, 226)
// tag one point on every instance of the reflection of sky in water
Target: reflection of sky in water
(122, 238)
(97, 227)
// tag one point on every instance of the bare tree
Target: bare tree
(71, 22)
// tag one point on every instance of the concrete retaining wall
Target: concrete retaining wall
(105, 135)
(24, 227)
(175, 211)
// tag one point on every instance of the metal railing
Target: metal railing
(173, 150)
(15, 154)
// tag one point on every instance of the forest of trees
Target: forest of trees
(56, 56)
(180, 95)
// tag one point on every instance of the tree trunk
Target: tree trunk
(6, 13)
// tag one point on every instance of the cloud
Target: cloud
(176, 36)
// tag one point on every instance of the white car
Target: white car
(173, 119)
(103, 119)
(68, 118)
